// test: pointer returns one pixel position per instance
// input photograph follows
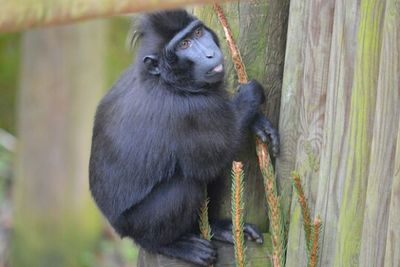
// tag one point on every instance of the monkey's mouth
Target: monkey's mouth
(217, 69)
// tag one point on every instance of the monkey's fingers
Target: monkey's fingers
(196, 239)
(223, 236)
(274, 140)
(263, 128)
(252, 233)
(258, 131)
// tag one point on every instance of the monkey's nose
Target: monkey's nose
(210, 54)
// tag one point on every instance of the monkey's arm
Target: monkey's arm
(247, 103)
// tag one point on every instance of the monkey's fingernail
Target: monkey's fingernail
(263, 138)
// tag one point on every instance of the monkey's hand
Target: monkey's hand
(222, 231)
(264, 130)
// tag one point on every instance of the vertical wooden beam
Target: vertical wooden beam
(333, 163)
(359, 135)
(311, 97)
(291, 89)
(392, 255)
(382, 168)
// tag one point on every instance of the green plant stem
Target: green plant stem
(237, 204)
(304, 209)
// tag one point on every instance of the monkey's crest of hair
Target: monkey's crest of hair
(164, 24)
(167, 23)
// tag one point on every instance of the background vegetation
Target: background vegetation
(108, 249)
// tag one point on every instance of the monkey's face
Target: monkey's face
(192, 55)
(200, 49)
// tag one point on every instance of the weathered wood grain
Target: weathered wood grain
(383, 150)
(333, 165)
(392, 255)
(311, 100)
(333, 144)
(391, 50)
(361, 117)
(289, 109)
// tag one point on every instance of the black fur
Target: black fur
(159, 140)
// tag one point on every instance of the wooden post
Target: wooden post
(380, 239)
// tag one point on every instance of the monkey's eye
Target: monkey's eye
(198, 32)
(184, 44)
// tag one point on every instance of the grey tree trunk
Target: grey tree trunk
(61, 83)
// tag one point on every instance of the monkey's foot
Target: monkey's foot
(263, 128)
(191, 248)
(222, 231)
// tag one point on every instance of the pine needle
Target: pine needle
(205, 228)
(204, 224)
(274, 210)
(304, 209)
(237, 204)
(313, 260)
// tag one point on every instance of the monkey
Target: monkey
(165, 130)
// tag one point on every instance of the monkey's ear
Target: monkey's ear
(151, 63)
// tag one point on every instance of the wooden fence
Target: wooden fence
(339, 123)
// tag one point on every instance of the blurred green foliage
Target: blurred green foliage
(9, 67)
(112, 253)
(108, 252)
(119, 55)
(5, 172)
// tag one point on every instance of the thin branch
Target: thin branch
(236, 57)
(23, 14)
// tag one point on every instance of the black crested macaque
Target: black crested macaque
(165, 130)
